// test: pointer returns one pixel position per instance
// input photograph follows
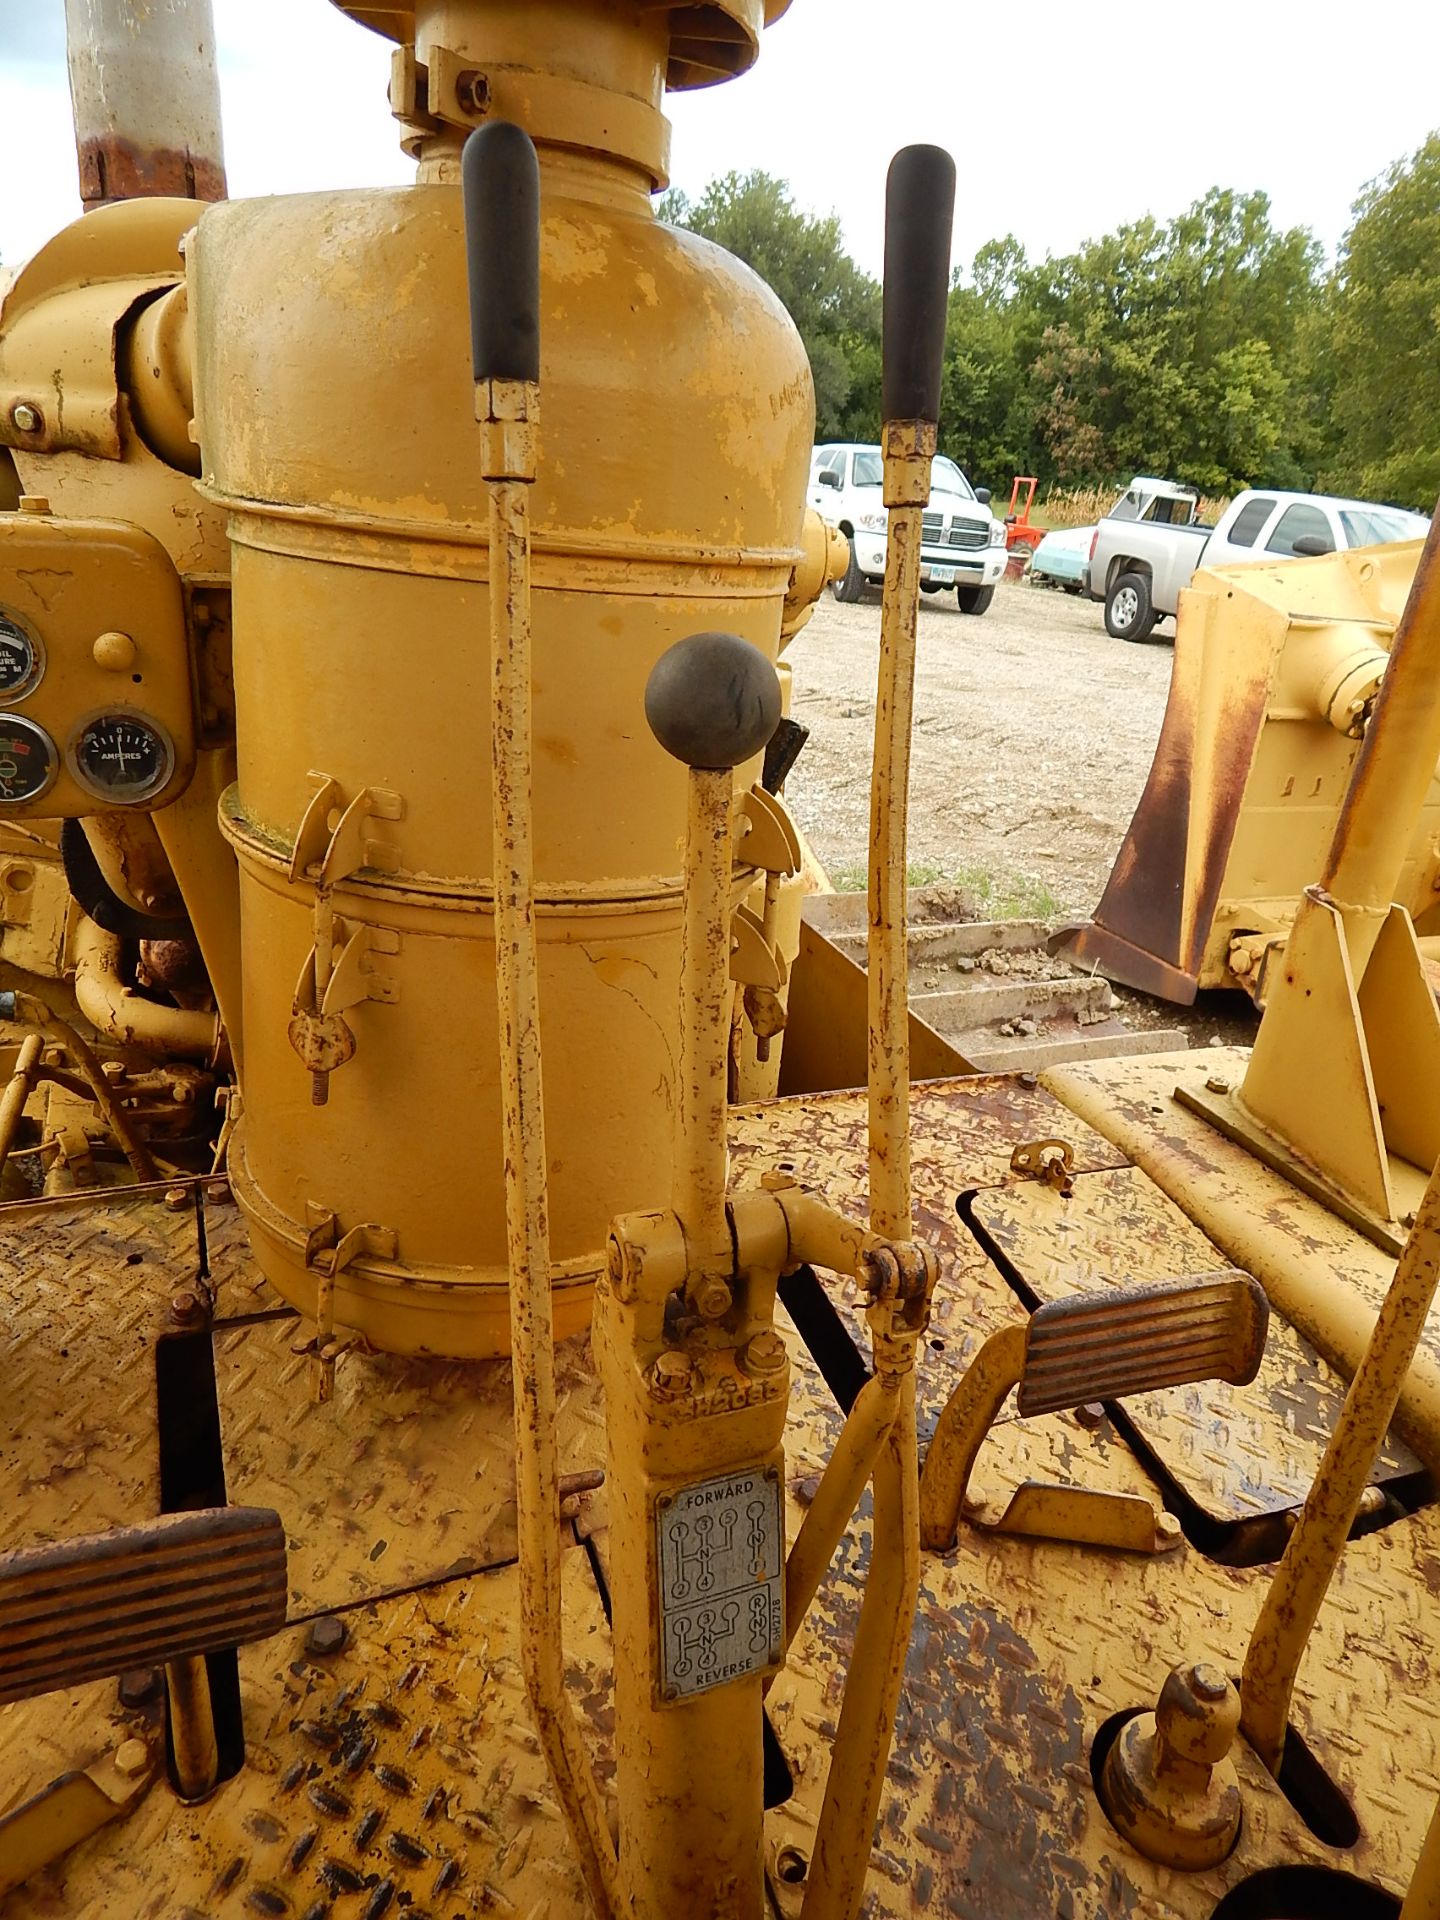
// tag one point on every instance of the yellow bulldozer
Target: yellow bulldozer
(472, 1445)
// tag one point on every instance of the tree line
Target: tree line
(1214, 348)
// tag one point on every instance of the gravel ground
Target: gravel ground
(1034, 732)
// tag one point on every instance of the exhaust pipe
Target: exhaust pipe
(146, 97)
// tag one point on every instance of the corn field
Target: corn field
(1083, 506)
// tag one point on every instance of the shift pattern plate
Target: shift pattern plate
(720, 1546)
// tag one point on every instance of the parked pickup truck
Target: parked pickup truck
(1150, 543)
(962, 544)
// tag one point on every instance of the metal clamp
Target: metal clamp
(328, 1253)
(1052, 1161)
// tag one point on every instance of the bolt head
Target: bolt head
(763, 1354)
(139, 1686)
(712, 1299)
(672, 1375)
(177, 1199)
(25, 418)
(472, 92)
(1207, 1682)
(1091, 1415)
(1198, 1713)
(1217, 1083)
(132, 1757)
(327, 1636)
(186, 1305)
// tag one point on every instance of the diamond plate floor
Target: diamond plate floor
(402, 1776)
(85, 1289)
(399, 1777)
(406, 1476)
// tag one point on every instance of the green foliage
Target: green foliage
(986, 895)
(1170, 348)
(1213, 347)
(1386, 371)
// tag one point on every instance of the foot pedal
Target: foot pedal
(94, 1607)
(1095, 1346)
(1104, 1346)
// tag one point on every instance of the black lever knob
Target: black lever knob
(712, 700)
(500, 180)
(919, 220)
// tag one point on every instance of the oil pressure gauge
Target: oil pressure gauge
(29, 761)
(122, 757)
(22, 658)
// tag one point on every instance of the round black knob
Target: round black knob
(712, 700)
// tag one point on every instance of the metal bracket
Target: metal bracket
(1342, 1093)
(342, 849)
(753, 961)
(318, 1033)
(1052, 1161)
(70, 1808)
(769, 839)
(447, 89)
(1080, 1516)
(353, 977)
(770, 843)
(328, 1253)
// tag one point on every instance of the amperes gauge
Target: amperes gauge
(29, 760)
(122, 757)
(22, 658)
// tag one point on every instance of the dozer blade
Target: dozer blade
(1276, 670)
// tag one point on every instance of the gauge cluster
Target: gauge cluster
(96, 700)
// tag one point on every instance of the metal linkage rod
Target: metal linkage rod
(502, 203)
(1312, 1554)
(920, 203)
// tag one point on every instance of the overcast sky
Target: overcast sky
(1067, 120)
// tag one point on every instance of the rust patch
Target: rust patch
(1197, 779)
(115, 169)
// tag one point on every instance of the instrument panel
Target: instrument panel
(97, 707)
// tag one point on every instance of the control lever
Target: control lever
(501, 182)
(697, 1379)
(919, 216)
(712, 701)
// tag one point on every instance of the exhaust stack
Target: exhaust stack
(146, 97)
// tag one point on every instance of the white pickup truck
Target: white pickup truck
(1147, 547)
(962, 544)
